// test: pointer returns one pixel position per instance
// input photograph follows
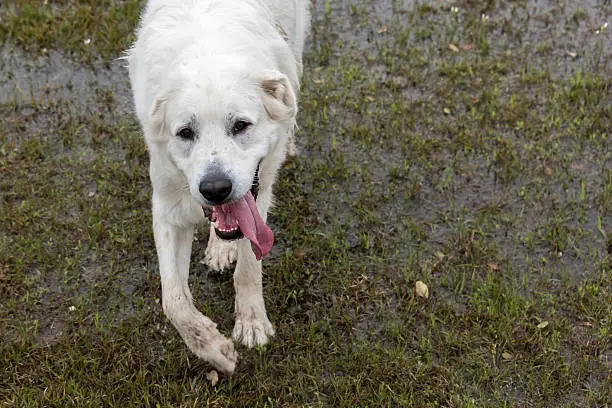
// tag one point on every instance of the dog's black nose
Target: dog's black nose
(216, 188)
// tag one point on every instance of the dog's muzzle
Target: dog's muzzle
(236, 233)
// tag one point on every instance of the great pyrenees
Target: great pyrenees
(214, 85)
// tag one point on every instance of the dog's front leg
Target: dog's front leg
(198, 331)
(252, 326)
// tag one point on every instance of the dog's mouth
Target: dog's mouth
(241, 218)
(226, 227)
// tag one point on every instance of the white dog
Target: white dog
(214, 84)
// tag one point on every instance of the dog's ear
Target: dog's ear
(278, 96)
(157, 118)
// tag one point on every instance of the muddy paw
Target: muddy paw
(220, 254)
(210, 345)
(253, 331)
(223, 356)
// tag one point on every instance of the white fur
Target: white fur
(205, 64)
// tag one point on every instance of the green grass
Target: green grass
(484, 172)
(83, 29)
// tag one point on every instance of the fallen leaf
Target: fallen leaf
(548, 171)
(571, 54)
(383, 29)
(507, 356)
(542, 325)
(301, 253)
(421, 289)
(453, 47)
(213, 377)
(370, 98)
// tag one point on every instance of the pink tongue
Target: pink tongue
(250, 223)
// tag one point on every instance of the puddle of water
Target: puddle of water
(55, 77)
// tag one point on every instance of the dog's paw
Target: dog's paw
(252, 330)
(222, 355)
(220, 254)
(210, 345)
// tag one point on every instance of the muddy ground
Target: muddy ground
(464, 144)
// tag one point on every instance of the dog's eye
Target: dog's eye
(240, 126)
(186, 133)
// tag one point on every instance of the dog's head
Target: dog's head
(217, 126)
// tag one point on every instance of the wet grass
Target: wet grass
(470, 152)
(84, 29)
